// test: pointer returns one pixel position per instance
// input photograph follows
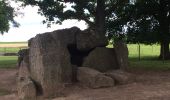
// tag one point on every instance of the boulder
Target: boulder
(121, 51)
(121, 77)
(101, 59)
(24, 70)
(50, 64)
(26, 89)
(89, 39)
(93, 78)
(23, 56)
(23, 63)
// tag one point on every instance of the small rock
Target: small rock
(93, 78)
(121, 77)
(26, 89)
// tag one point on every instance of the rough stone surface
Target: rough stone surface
(26, 89)
(89, 39)
(50, 60)
(101, 59)
(121, 51)
(93, 78)
(23, 64)
(121, 77)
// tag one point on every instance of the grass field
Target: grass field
(148, 56)
(10, 47)
(8, 61)
(24, 42)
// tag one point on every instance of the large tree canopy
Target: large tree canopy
(6, 16)
(93, 12)
(147, 21)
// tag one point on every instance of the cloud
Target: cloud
(31, 24)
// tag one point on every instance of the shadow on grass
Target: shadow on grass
(149, 63)
(4, 92)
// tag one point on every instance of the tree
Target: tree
(93, 12)
(147, 21)
(7, 15)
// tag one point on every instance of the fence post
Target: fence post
(139, 51)
(163, 53)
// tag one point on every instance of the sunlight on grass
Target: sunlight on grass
(8, 61)
(148, 57)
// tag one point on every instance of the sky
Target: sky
(31, 24)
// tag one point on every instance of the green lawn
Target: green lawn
(13, 42)
(8, 61)
(149, 58)
(146, 51)
(9, 50)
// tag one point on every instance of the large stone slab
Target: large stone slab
(50, 64)
(101, 59)
(93, 78)
(121, 51)
(89, 39)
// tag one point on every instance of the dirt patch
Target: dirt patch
(149, 85)
(8, 84)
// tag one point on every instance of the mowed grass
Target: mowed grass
(8, 61)
(24, 42)
(148, 57)
(10, 47)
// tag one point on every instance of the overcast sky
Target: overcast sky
(31, 24)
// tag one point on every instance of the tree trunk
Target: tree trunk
(164, 31)
(164, 51)
(100, 17)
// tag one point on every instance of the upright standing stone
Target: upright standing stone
(121, 51)
(26, 87)
(50, 60)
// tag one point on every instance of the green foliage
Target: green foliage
(7, 14)
(55, 11)
(146, 21)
